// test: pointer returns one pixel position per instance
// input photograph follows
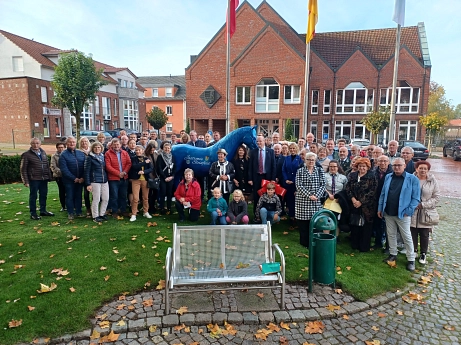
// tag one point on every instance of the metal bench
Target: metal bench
(221, 254)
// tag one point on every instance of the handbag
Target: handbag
(356, 219)
(428, 217)
(153, 183)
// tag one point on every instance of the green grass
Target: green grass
(41, 246)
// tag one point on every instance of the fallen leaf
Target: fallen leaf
(260, 294)
(44, 288)
(373, 342)
(262, 333)
(120, 306)
(161, 284)
(242, 265)
(382, 314)
(399, 312)
(331, 307)
(375, 328)
(136, 274)
(348, 268)
(102, 268)
(115, 251)
(104, 324)
(20, 244)
(179, 327)
(283, 341)
(284, 326)
(30, 308)
(106, 278)
(273, 327)
(72, 289)
(112, 337)
(14, 323)
(181, 310)
(314, 327)
(152, 328)
(392, 264)
(346, 317)
(339, 291)
(449, 327)
(94, 335)
(148, 303)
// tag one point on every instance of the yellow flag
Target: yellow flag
(312, 20)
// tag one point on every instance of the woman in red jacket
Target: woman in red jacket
(188, 195)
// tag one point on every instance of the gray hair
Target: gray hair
(278, 145)
(310, 154)
(408, 148)
(189, 170)
(70, 138)
(34, 139)
(114, 140)
(400, 159)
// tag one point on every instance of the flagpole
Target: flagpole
(228, 67)
(306, 89)
(394, 85)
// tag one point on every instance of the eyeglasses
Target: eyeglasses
(398, 165)
(310, 160)
(333, 166)
(406, 153)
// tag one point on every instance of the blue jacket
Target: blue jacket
(72, 165)
(410, 195)
(220, 203)
(95, 170)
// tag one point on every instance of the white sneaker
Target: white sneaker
(422, 259)
(133, 218)
(147, 215)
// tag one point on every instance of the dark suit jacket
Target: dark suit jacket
(198, 143)
(269, 164)
(278, 168)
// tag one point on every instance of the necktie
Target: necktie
(261, 167)
(333, 184)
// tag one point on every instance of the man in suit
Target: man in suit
(279, 160)
(344, 160)
(262, 167)
(194, 141)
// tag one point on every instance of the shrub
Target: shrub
(9, 169)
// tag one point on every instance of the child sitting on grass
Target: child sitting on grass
(217, 207)
(238, 209)
(269, 206)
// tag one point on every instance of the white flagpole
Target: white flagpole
(306, 89)
(394, 85)
(228, 68)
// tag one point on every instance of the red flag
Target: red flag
(233, 4)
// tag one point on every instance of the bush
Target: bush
(9, 169)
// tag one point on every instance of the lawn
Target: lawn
(92, 263)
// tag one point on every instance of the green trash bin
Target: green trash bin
(324, 257)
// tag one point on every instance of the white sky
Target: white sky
(157, 37)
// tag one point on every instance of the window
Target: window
(86, 118)
(96, 102)
(98, 126)
(57, 126)
(44, 95)
(115, 107)
(267, 96)
(343, 129)
(106, 108)
(169, 127)
(125, 83)
(169, 110)
(295, 124)
(292, 94)
(243, 95)
(18, 64)
(169, 92)
(314, 128)
(326, 101)
(407, 98)
(315, 102)
(360, 131)
(354, 99)
(46, 127)
(325, 130)
(154, 92)
(131, 85)
(407, 130)
(130, 114)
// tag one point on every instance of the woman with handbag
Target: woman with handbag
(166, 169)
(222, 175)
(335, 183)
(310, 187)
(361, 190)
(425, 216)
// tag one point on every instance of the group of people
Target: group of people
(379, 194)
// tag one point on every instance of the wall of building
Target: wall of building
(7, 51)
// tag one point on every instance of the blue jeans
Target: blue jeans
(74, 197)
(40, 187)
(117, 195)
(267, 216)
(215, 217)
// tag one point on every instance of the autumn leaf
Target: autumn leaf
(106, 278)
(221, 265)
(373, 342)
(44, 288)
(148, 303)
(392, 264)
(161, 284)
(339, 291)
(30, 308)
(284, 326)
(449, 327)
(382, 314)
(115, 251)
(136, 274)
(399, 312)
(262, 334)
(151, 224)
(260, 294)
(283, 341)
(179, 327)
(273, 327)
(242, 265)
(331, 307)
(230, 329)
(20, 244)
(181, 310)
(375, 328)
(14, 323)
(314, 327)
(111, 337)
(346, 317)
(102, 268)
(152, 328)
(104, 324)
(348, 268)
(215, 331)
(72, 289)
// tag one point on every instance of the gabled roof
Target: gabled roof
(178, 81)
(34, 49)
(377, 44)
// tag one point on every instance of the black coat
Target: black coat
(269, 165)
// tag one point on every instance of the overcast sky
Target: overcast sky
(157, 37)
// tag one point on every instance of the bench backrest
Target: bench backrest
(214, 248)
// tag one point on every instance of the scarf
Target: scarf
(222, 171)
(168, 159)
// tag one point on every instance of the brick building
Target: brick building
(351, 74)
(26, 71)
(169, 94)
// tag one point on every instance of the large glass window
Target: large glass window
(106, 108)
(243, 95)
(169, 127)
(44, 94)
(313, 128)
(46, 127)
(130, 114)
(86, 118)
(315, 102)
(355, 98)
(292, 94)
(360, 131)
(169, 92)
(326, 101)
(155, 92)
(343, 129)
(96, 102)
(406, 100)
(57, 126)
(267, 96)
(407, 130)
(169, 110)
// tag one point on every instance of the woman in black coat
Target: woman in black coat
(166, 169)
(241, 165)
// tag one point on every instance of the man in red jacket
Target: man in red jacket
(118, 164)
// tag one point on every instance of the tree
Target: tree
(434, 123)
(157, 118)
(289, 134)
(187, 126)
(438, 103)
(75, 82)
(377, 121)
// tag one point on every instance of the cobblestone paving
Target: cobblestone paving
(384, 320)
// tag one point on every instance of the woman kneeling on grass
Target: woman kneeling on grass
(140, 168)
(188, 195)
(238, 209)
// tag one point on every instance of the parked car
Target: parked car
(421, 151)
(453, 149)
(361, 142)
(113, 133)
(92, 136)
(128, 132)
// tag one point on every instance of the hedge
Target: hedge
(9, 168)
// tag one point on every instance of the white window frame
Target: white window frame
(313, 128)
(18, 64)
(292, 90)
(326, 101)
(169, 110)
(57, 126)
(169, 92)
(155, 92)
(169, 127)
(366, 134)
(401, 107)
(86, 118)
(409, 125)
(131, 85)
(46, 127)
(265, 104)
(315, 101)
(115, 107)
(130, 114)
(44, 94)
(340, 127)
(325, 125)
(96, 102)
(355, 107)
(245, 95)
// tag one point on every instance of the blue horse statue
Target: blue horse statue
(200, 159)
